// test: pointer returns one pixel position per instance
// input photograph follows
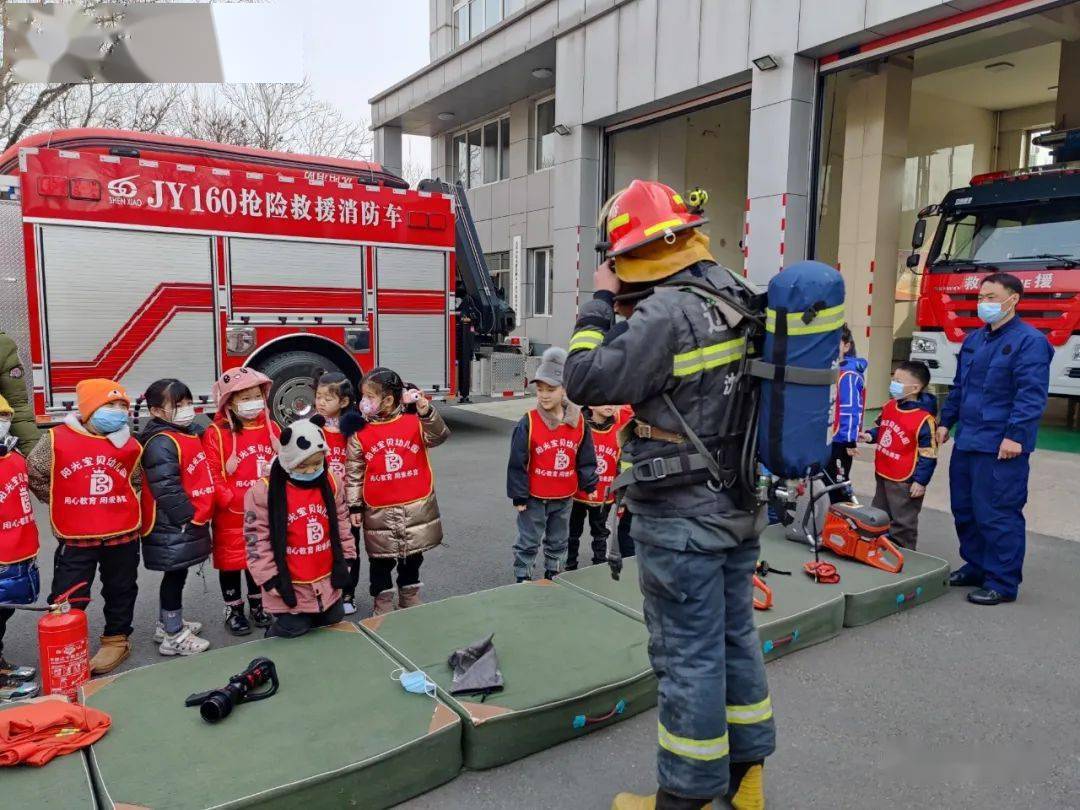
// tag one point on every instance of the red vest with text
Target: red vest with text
(553, 458)
(608, 452)
(335, 455)
(194, 478)
(397, 470)
(91, 487)
(254, 452)
(18, 532)
(307, 534)
(898, 441)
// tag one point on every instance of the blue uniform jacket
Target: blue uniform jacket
(851, 393)
(1001, 387)
(926, 462)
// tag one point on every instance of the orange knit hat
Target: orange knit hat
(92, 394)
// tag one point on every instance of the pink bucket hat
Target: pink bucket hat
(237, 379)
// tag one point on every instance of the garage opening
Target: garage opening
(707, 147)
(908, 131)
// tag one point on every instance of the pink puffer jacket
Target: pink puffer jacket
(313, 597)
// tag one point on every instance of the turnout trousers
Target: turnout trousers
(714, 705)
(988, 498)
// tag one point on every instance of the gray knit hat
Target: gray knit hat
(300, 441)
(551, 366)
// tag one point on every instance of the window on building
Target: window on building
(540, 277)
(491, 152)
(474, 17)
(461, 23)
(461, 160)
(482, 155)
(504, 149)
(1035, 155)
(545, 134)
(475, 151)
(499, 267)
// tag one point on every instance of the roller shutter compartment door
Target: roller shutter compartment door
(412, 320)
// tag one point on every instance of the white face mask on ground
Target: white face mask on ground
(184, 415)
(250, 409)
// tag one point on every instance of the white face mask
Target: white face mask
(251, 408)
(184, 415)
(5, 428)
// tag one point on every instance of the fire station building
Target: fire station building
(819, 129)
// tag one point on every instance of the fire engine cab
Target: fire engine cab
(1023, 222)
(135, 257)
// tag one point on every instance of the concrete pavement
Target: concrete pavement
(948, 705)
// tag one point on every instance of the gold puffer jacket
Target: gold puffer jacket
(396, 531)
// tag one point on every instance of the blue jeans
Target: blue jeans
(546, 521)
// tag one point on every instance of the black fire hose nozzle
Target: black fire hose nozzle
(217, 704)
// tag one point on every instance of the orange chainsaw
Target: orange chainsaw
(859, 533)
(763, 595)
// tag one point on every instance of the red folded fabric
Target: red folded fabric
(35, 733)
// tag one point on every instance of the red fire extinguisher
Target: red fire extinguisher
(64, 647)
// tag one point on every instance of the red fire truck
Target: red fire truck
(135, 256)
(1023, 222)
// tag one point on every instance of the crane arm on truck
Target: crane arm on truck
(493, 318)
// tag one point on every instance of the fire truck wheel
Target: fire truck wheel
(292, 395)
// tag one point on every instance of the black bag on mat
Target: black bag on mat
(476, 669)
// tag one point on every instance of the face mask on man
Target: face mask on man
(5, 428)
(108, 420)
(250, 409)
(990, 311)
(897, 389)
(184, 415)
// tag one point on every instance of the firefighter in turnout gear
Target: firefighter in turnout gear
(695, 532)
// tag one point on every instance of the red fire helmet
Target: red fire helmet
(644, 212)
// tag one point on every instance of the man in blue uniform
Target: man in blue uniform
(996, 402)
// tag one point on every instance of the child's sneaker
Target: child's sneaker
(348, 605)
(235, 620)
(9, 671)
(11, 689)
(183, 643)
(159, 631)
(259, 617)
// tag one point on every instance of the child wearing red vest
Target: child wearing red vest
(240, 444)
(335, 402)
(906, 450)
(604, 422)
(297, 531)
(19, 578)
(390, 485)
(177, 504)
(88, 470)
(551, 459)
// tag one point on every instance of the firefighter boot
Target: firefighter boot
(259, 617)
(746, 789)
(113, 651)
(409, 596)
(384, 603)
(662, 800)
(235, 620)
